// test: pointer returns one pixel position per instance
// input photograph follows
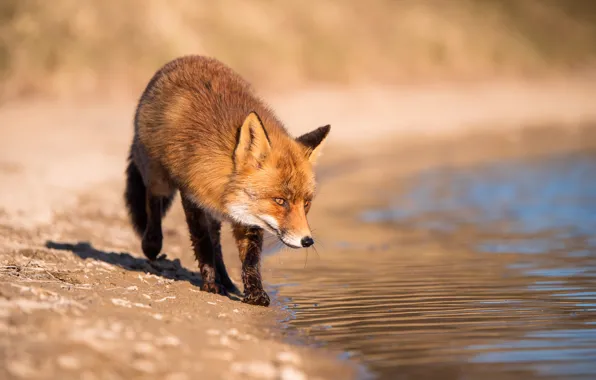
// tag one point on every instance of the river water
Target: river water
(491, 274)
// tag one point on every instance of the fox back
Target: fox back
(203, 127)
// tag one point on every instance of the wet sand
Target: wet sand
(78, 299)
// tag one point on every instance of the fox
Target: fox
(200, 129)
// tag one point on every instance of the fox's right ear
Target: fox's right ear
(253, 143)
(313, 142)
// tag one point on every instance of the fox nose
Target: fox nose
(307, 241)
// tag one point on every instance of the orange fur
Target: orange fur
(198, 120)
(200, 129)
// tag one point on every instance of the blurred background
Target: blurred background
(456, 219)
(68, 47)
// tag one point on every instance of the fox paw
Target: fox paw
(257, 298)
(151, 245)
(212, 287)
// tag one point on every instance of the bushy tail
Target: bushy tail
(135, 198)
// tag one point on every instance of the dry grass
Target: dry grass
(74, 47)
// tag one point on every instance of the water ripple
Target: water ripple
(514, 296)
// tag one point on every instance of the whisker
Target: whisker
(279, 250)
(317, 252)
(318, 241)
(306, 259)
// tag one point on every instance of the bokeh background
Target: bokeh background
(455, 222)
(67, 46)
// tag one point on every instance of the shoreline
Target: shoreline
(74, 305)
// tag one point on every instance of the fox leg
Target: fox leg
(220, 267)
(156, 207)
(250, 244)
(198, 225)
(152, 240)
(148, 196)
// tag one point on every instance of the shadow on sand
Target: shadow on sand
(163, 267)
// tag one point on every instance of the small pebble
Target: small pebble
(224, 341)
(68, 362)
(289, 357)
(144, 348)
(233, 332)
(168, 341)
(291, 373)
(121, 302)
(166, 298)
(143, 365)
(261, 370)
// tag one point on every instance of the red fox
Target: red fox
(201, 129)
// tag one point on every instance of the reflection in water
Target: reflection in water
(558, 194)
(506, 289)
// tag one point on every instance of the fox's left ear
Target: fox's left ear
(252, 145)
(313, 141)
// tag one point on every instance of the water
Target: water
(491, 273)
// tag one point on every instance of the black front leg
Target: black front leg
(198, 225)
(220, 267)
(250, 243)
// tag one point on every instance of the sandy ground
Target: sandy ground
(79, 301)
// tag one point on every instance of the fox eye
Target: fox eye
(280, 201)
(306, 204)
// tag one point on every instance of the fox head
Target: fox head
(273, 183)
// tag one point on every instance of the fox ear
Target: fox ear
(313, 141)
(253, 143)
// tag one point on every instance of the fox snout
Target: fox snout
(293, 231)
(297, 241)
(307, 241)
